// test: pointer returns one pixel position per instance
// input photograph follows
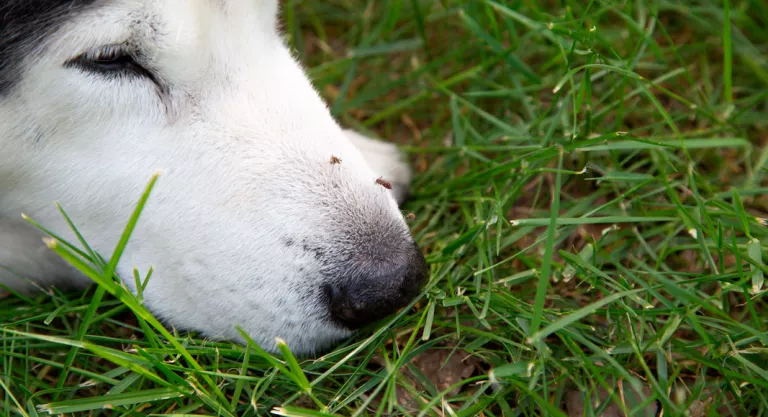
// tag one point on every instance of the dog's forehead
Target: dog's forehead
(180, 38)
(26, 25)
(173, 22)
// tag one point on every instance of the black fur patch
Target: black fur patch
(23, 25)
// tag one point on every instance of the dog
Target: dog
(268, 215)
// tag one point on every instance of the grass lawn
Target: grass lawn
(591, 195)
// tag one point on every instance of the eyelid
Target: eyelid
(108, 51)
(91, 61)
(100, 54)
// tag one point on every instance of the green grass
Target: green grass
(591, 197)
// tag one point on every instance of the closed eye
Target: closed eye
(113, 61)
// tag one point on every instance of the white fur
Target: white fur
(244, 144)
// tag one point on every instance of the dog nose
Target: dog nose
(364, 299)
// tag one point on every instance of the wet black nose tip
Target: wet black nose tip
(361, 300)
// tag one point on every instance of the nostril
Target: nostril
(360, 300)
(340, 305)
(331, 293)
(416, 275)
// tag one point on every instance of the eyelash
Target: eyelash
(111, 61)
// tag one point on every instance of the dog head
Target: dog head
(267, 216)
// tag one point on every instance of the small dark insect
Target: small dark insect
(411, 216)
(335, 160)
(384, 183)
